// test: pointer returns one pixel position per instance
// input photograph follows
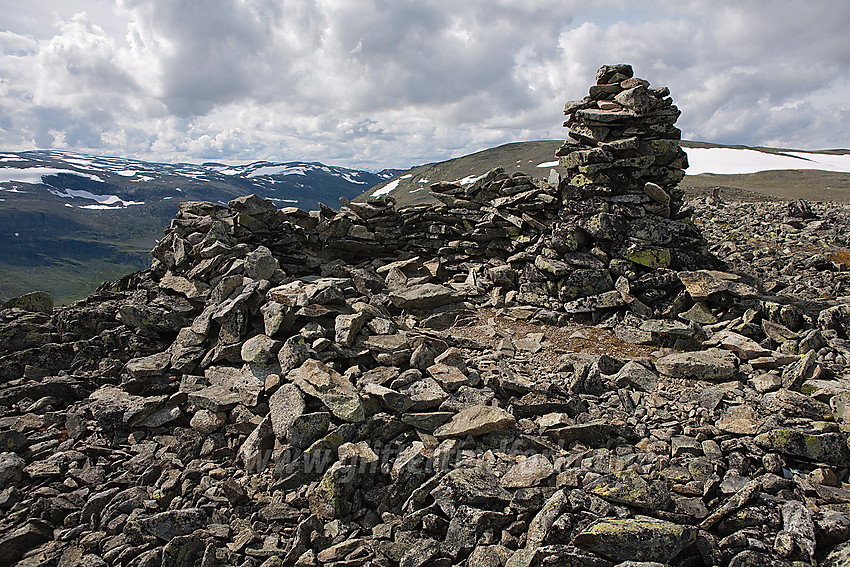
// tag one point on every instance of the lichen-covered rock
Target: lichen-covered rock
(628, 487)
(333, 389)
(173, 523)
(636, 539)
(285, 406)
(36, 301)
(829, 448)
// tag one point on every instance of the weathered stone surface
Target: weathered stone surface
(829, 448)
(347, 327)
(259, 350)
(634, 539)
(703, 283)
(255, 452)
(37, 301)
(628, 487)
(285, 406)
(528, 472)
(152, 365)
(333, 389)
(711, 364)
(17, 542)
(188, 288)
(471, 486)
(260, 264)
(741, 420)
(476, 420)
(425, 296)
(205, 422)
(592, 433)
(329, 499)
(174, 523)
(11, 469)
(636, 376)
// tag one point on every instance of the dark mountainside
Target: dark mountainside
(80, 220)
(591, 370)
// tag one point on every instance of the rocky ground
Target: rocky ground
(379, 415)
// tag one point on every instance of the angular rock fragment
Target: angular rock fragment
(285, 406)
(711, 364)
(476, 420)
(335, 391)
(636, 539)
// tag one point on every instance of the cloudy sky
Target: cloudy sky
(395, 83)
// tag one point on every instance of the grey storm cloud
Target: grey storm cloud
(392, 83)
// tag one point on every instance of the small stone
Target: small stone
(333, 389)
(174, 523)
(285, 406)
(637, 376)
(11, 469)
(449, 377)
(711, 364)
(205, 422)
(259, 350)
(347, 326)
(740, 420)
(528, 472)
(476, 420)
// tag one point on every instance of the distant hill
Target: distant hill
(755, 173)
(70, 221)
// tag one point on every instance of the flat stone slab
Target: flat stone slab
(712, 364)
(425, 296)
(476, 420)
(528, 472)
(744, 347)
(628, 487)
(593, 433)
(827, 448)
(702, 283)
(636, 539)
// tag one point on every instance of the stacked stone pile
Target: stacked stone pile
(623, 136)
(374, 386)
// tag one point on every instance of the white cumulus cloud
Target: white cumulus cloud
(392, 83)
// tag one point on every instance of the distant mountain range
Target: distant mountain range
(69, 221)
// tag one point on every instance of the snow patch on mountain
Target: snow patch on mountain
(387, 188)
(279, 170)
(469, 179)
(36, 175)
(740, 160)
(101, 199)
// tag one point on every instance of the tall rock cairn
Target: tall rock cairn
(623, 140)
(621, 234)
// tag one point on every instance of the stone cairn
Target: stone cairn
(293, 388)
